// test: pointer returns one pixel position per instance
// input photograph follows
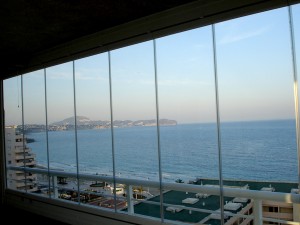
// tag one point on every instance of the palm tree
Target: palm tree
(138, 190)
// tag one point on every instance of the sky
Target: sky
(254, 70)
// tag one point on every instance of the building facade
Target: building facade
(18, 154)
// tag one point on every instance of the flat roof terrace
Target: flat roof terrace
(206, 202)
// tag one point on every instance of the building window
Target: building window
(273, 209)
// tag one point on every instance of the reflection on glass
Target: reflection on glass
(134, 113)
(186, 92)
(93, 125)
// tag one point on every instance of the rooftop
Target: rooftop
(208, 202)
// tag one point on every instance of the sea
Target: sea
(254, 150)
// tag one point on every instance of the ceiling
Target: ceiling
(31, 27)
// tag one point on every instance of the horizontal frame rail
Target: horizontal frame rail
(229, 192)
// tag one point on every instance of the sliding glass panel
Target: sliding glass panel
(35, 130)
(61, 122)
(256, 97)
(134, 114)
(12, 101)
(296, 28)
(189, 153)
(14, 142)
(93, 127)
(257, 108)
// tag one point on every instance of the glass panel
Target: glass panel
(65, 188)
(256, 107)
(12, 101)
(296, 22)
(14, 142)
(61, 121)
(35, 124)
(93, 127)
(134, 113)
(256, 89)
(186, 91)
(296, 27)
(257, 122)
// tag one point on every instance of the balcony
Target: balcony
(233, 205)
(27, 162)
(183, 202)
(22, 176)
(29, 188)
(17, 176)
(20, 149)
(25, 156)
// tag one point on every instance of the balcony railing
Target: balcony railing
(258, 197)
(25, 156)
(20, 149)
(26, 163)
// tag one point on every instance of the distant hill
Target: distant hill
(85, 121)
(81, 120)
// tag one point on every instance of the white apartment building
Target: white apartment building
(18, 154)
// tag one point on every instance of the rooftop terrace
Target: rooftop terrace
(206, 202)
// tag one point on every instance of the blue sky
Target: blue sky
(254, 75)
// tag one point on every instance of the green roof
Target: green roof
(210, 203)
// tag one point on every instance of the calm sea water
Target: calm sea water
(264, 150)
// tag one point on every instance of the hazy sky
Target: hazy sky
(254, 66)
